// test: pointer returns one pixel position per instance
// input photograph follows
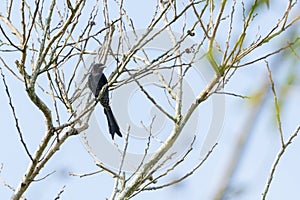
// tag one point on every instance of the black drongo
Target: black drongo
(96, 81)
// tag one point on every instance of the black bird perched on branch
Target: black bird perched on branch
(96, 81)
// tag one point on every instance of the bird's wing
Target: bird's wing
(93, 83)
(101, 81)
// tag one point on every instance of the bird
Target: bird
(96, 81)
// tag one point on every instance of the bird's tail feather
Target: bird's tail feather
(112, 123)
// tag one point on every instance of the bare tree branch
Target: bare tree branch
(15, 116)
(276, 161)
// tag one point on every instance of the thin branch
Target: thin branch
(146, 148)
(86, 174)
(154, 180)
(277, 109)
(276, 162)
(35, 167)
(7, 185)
(153, 100)
(15, 116)
(8, 39)
(288, 45)
(44, 177)
(241, 143)
(232, 94)
(119, 178)
(60, 193)
(98, 163)
(12, 27)
(186, 175)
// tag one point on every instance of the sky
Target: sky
(249, 179)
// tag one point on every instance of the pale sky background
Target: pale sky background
(249, 180)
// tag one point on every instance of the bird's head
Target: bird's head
(97, 68)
